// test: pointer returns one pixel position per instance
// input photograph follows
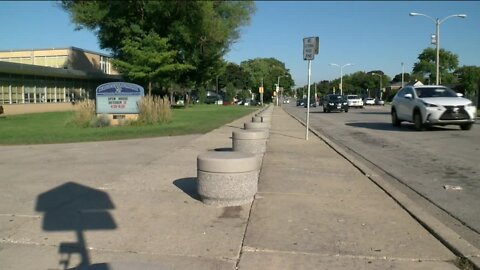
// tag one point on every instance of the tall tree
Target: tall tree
(426, 66)
(148, 59)
(469, 79)
(269, 70)
(201, 32)
(398, 78)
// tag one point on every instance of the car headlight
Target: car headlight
(345, 103)
(469, 105)
(429, 104)
(331, 104)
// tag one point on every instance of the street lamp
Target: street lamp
(381, 76)
(341, 75)
(437, 36)
(403, 78)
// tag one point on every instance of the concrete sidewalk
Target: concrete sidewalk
(133, 205)
(315, 210)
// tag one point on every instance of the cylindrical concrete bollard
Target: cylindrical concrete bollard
(227, 178)
(252, 141)
(256, 125)
(266, 119)
(257, 119)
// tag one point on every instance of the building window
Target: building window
(105, 64)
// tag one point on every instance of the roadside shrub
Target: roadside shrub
(152, 110)
(84, 113)
(100, 121)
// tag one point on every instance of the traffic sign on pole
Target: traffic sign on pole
(310, 47)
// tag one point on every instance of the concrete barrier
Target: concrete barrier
(257, 119)
(256, 125)
(227, 178)
(252, 141)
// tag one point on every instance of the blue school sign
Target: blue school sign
(118, 98)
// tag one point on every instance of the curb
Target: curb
(449, 238)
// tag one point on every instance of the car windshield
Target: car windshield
(352, 97)
(335, 98)
(427, 92)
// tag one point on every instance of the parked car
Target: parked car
(429, 105)
(354, 101)
(369, 101)
(379, 102)
(334, 102)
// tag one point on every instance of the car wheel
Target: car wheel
(324, 110)
(417, 121)
(466, 126)
(395, 121)
(346, 111)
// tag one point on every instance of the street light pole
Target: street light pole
(341, 75)
(403, 72)
(278, 85)
(437, 37)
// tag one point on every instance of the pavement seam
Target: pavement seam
(456, 244)
(383, 258)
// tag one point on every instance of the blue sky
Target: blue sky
(374, 35)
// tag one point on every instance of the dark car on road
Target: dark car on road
(300, 102)
(312, 103)
(334, 102)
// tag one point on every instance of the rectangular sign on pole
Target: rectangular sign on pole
(310, 47)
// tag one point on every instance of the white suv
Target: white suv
(428, 105)
(354, 101)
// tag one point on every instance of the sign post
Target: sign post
(310, 48)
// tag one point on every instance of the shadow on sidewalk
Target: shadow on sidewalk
(189, 186)
(77, 208)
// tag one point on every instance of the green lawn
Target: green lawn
(55, 127)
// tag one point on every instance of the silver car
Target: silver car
(429, 105)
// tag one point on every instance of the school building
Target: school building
(52, 75)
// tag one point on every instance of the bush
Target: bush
(100, 121)
(152, 110)
(84, 113)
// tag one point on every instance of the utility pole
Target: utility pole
(261, 94)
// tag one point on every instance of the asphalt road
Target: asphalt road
(420, 163)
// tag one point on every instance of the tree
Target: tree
(469, 79)
(202, 95)
(230, 92)
(200, 32)
(148, 58)
(268, 70)
(398, 77)
(236, 75)
(426, 65)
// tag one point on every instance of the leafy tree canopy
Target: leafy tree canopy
(426, 66)
(269, 70)
(149, 59)
(469, 79)
(200, 32)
